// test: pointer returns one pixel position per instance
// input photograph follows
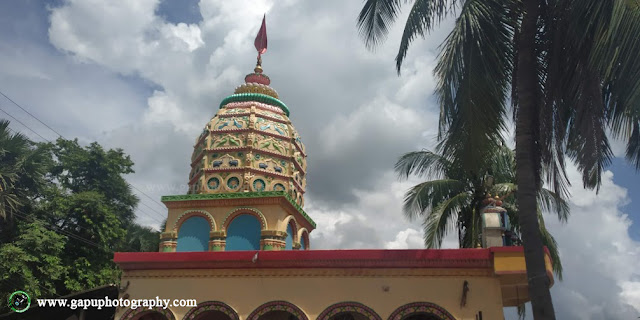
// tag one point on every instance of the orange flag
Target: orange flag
(261, 38)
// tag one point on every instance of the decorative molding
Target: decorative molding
(211, 306)
(136, 313)
(278, 306)
(257, 97)
(190, 213)
(239, 195)
(348, 306)
(421, 307)
(306, 273)
(273, 233)
(238, 211)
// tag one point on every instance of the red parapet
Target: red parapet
(426, 258)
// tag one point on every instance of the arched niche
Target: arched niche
(156, 313)
(421, 311)
(348, 310)
(243, 233)
(277, 310)
(193, 235)
(212, 310)
(303, 235)
(291, 232)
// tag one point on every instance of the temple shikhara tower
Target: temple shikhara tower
(238, 241)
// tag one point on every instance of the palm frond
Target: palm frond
(441, 220)
(550, 242)
(423, 197)
(374, 20)
(633, 146)
(504, 189)
(550, 201)
(473, 72)
(422, 163)
(424, 15)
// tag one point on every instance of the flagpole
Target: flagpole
(261, 43)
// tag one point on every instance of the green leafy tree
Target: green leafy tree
(69, 209)
(32, 263)
(569, 67)
(93, 205)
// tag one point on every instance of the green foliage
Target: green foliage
(141, 239)
(79, 169)
(453, 201)
(587, 66)
(33, 262)
(572, 68)
(65, 209)
(22, 169)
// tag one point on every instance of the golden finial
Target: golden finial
(258, 68)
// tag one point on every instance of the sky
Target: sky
(147, 75)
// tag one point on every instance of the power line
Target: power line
(146, 213)
(60, 231)
(59, 134)
(29, 113)
(20, 122)
(150, 216)
(66, 233)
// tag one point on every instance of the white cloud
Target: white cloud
(132, 80)
(407, 239)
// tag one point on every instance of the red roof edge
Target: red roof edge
(424, 258)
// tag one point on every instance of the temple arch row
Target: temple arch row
(336, 309)
(227, 220)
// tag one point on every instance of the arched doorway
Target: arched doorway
(146, 314)
(348, 311)
(421, 311)
(212, 310)
(277, 310)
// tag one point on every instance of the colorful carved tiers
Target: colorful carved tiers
(250, 146)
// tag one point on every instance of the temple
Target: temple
(238, 241)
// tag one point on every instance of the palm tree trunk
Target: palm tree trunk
(526, 165)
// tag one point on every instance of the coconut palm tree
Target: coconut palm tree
(22, 172)
(570, 70)
(452, 199)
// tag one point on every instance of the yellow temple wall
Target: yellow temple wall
(383, 290)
